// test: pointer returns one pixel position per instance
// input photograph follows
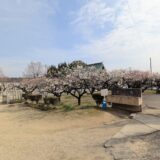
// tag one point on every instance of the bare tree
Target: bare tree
(35, 69)
(1, 73)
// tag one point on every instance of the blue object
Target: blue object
(104, 105)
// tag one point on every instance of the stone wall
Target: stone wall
(126, 99)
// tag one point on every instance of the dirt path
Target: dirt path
(29, 134)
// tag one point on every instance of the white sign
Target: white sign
(104, 92)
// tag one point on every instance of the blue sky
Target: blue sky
(121, 33)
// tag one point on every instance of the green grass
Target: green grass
(86, 100)
(150, 92)
(67, 108)
(68, 103)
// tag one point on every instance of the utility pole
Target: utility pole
(151, 65)
(151, 72)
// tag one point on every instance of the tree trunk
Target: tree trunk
(79, 101)
(59, 97)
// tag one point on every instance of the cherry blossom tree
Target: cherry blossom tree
(75, 86)
(131, 79)
(77, 79)
(85, 80)
(116, 79)
(28, 85)
(156, 81)
(53, 86)
(137, 79)
(94, 79)
(3, 88)
(2, 84)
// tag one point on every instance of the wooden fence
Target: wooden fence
(10, 96)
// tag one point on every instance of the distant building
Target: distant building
(99, 65)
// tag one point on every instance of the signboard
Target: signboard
(104, 92)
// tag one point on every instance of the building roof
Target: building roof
(99, 65)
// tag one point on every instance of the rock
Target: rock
(133, 115)
(107, 145)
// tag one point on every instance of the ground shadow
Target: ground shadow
(115, 111)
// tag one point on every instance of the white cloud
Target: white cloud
(134, 38)
(95, 13)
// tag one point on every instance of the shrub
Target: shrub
(98, 98)
(68, 108)
(158, 91)
(51, 100)
(33, 98)
(43, 107)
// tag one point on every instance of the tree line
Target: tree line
(78, 79)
